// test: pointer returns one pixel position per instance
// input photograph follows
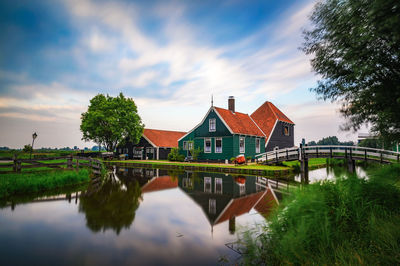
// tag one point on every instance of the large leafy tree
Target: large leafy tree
(111, 120)
(355, 47)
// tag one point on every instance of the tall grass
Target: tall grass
(21, 183)
(349, 221)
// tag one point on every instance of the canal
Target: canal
(142, 217)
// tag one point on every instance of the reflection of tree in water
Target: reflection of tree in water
(111, 205)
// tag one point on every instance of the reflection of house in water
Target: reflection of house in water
(222, 197)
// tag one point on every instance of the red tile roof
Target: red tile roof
(266, 116)
(266, 204)
(240, 206)
(163, 138)
(239, 123)
(160, 183)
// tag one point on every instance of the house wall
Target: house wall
(278, 139)
(230, 143)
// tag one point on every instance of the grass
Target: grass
(349, 221)
(22, 183)
(211, 165)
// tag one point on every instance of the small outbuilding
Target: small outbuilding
(154, 144)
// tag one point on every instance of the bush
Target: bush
(174, 155)
(233, 160)
(248, 158)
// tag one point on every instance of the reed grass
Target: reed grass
(348, 221)
(26, 183)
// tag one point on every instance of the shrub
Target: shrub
(233, 159)
(174, 155)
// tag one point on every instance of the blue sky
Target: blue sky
(169, 56)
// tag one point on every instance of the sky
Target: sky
(169, 56)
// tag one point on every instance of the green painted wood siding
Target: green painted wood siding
(250, 145)
(203, 129)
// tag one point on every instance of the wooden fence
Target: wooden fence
(68, 162)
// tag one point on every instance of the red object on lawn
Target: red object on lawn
(240, 179)
(240, 159)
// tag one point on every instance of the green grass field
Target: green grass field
(25, 183)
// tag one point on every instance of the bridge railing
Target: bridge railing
(333, 151)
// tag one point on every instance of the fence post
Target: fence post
(345, 153)
(287, 154)
(69, 162)
(317, 151)
(19, 166)
(276, 156)
(330, 151)
(365, 155)
(398, 157)
(351, 153)
(15, 163)
(77, 164)
(381, 157)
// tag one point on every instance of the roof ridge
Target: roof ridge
(272, 109)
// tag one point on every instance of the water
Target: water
(330, 173)
(140, 217)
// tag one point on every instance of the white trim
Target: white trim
(224, 210)
(215, 185)
(272, 131)
(210, 179)
(257, 125)
(149, 140)
(209, 125)
(202, 121)
(259, 145)
(158, 153)
(244, 144)
(273, 193)
(205, 139)
(215, 145)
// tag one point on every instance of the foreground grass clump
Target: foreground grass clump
(350, 221)
(13, 184)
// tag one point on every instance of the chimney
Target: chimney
(231, 104)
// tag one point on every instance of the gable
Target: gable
(266, 116)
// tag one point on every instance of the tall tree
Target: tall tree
(356, 47)
(111, 120)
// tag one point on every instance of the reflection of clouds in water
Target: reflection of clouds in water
(330, 173)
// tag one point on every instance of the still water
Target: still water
(142, 217)
(138, 217)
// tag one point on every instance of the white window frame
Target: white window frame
(190, 145)
(207, 180)
(242, 189)
(205, 150)
(244, 144)
(215, 144)
(212, 206)
(185, 145)
(217, 180)
(258, 145)
(210, 121)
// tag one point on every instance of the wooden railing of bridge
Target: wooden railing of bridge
(67, 162)
(329, 151)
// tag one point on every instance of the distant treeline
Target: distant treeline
(44, 149)
(331, 140)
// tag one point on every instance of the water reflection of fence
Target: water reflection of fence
(65, 162)
(276, 185)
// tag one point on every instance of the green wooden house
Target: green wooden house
(225, 133)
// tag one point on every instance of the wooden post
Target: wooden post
(19, 166)
(381, 157)
(287, 154)
(15, 163)
(345, 153)
(69, 162)
(365, 155)
(351, 154)
(276, 156)
(317, 151)
(77, 164)
(398, 157)
(330, 150)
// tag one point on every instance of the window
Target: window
(218, 145)
(190, 145)
(207, 184)
(185, 145)
(218, 186)
(258, 145)
(242, 189)
(207, 145)
(286, 130)
(212, 206)
(212, 125)
(241, 145)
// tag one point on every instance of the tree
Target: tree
(356, 50)
(27, 148)
(111, 120)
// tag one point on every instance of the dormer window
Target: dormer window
(212, 125)
(286, 130)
